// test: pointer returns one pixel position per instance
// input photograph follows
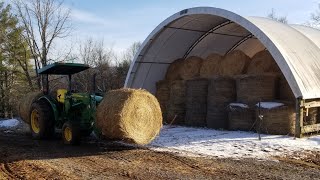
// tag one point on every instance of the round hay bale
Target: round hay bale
(234, 63)
(285, 92)
(277, 119)
(221, 92)
(25, 105)
(241, 117)
(211, 66)
(176, 108)
(131, 115)
(191, 68)
(173, 71)
(263, 62)
(196, 102)
(256, 87)
(163, 95)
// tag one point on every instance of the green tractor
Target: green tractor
(71, 113)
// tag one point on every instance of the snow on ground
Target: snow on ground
(238, 105)
(229, 144)
(269, 105)
(9, 123)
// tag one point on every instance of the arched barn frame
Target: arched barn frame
(203, 30)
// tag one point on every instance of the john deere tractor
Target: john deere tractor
(71, 113)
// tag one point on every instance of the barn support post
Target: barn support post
(299, 117)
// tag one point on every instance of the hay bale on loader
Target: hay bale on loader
(211, 66)
(131, 115)
(263, 62)
(234, 63)
(191, 68)
(25, 105)
(173, 71)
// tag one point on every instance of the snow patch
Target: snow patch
(229, 144)
(238, 105)
(9, 123)
(269, 105)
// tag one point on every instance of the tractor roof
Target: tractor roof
(59, 68)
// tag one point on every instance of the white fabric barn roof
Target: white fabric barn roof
(203, 30)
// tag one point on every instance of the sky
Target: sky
(120, 23)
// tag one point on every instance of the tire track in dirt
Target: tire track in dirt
(6, 171)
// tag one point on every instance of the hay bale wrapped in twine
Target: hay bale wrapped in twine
(221, 92)
(263, 62)
(163, 95)
(278, 118)
(256, 87)
(191, 68)
(234, 63)
(176, 108)
(25, 105)
(196, 102)
(241, 117)
(173, 71)
(211, 66)
(131, 115)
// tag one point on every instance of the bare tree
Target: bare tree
(129, 54)
(315, 18)
(43, 22)
(282, 19)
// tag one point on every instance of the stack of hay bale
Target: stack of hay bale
(221, 91)
(196, 102)
(258, 87)
(229, 87)
(251, 89)
(254, 88)
(172, 85)
(278, 118)
(241, 117)
(222, 88)
(173, 104)
(177, 101)
(163, 94)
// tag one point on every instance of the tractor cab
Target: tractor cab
(72, 113)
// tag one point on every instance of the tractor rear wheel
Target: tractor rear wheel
(71, 133)
(41, 120)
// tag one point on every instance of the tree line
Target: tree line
(28, 30)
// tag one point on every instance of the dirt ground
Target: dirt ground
(24, 158)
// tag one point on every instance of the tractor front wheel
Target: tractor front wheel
(71, 133)
(41, 120)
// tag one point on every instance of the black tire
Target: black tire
(45, 120)
(75, 136)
